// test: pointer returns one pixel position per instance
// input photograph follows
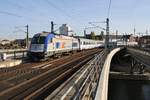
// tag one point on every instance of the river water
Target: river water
(128, 90)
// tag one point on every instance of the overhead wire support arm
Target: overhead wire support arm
(26, 31)
(96, 26)
(98, 22)
(91, 28)
(109, 8)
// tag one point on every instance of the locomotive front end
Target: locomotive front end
(37, 47)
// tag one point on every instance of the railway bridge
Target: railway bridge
(89, 82)
(92, 83)
(138, 63)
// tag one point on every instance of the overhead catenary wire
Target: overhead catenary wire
(63, 12)
(22, 7)
(14, 4)
(108, 15)
(109, 9)
(74, 11)
(97, 26)
(58, 9)
(10, 14)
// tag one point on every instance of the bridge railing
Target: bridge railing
(90, 84)
(13, 53)
(83, 84)
(102, 89)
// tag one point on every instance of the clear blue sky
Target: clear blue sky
(124, 15)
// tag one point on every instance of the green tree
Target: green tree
(93, 35)
(102, 35)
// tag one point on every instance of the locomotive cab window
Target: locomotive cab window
(38, 40)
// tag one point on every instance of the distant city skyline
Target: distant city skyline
(124, 15)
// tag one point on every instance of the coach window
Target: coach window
(74, 44)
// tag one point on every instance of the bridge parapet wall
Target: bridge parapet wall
(102, 90)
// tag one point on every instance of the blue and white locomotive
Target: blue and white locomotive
(46, 44)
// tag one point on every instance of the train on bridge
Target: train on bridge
(45, 44)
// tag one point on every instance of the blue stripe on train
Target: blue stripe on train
(47, 40)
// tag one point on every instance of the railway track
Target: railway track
(19, 74)
(32, 68)
(48, 79)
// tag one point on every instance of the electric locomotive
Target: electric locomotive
(46, 44)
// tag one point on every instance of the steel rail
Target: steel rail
(27, 84)
(76, 85)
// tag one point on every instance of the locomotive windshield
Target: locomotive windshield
(38, 40)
